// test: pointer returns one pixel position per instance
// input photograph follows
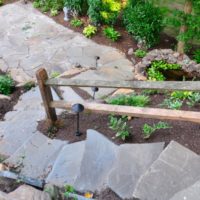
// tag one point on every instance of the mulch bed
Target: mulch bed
(186, 133)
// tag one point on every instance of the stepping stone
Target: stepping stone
(98, 159)
(176, 169)
(35, 158)
(132, 161)
(67, 165)
(190, 193)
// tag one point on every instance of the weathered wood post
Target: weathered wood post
(46, 94)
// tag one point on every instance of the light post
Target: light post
(94, 89)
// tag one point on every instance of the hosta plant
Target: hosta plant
(89, 31)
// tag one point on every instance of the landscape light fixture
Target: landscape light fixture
(66, 10)
(78, 108)
(94, 89)
(97, 58)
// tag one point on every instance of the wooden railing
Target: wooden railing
(49, 104)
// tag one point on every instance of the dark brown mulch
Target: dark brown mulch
(186, 133)
(8, 185)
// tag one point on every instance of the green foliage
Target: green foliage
(144, 22)
(172, 103)
(155, 71)
(129, 100)
(120, 126)
(104, 11)
(193, 99)
(54, 74)
(6, 84)
(76, 22)
(1, 2)
(89, 31)
(29, 85)
(54, 6)
(111, 33)
(150, 92)
(197, 56)
(149, 130)
(140, 53)
(77, 6)
(181, 95)
(69, 190)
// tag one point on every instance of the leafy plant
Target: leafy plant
(111, 33)
(140, 53)
(149, 130)
(77, 6)
(181, 95)
(76, 22)
(193, 99)
(69, 190)
(54, 74)
(29, 85)
(89, 31)
(172, 103)
(154, 72)
(150, 92)
(197, 56)
(129, 100)
(53, 12)
(1, 2)
(6, 84)
(120, 126)
(144, 22)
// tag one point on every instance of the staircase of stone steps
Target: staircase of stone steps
(143, 171)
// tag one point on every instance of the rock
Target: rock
(4, 196)
(20, 76)
(122, 91)
(98, 159)
(67, 165)
(133, 61)
(176, 169)
(26, 192)
(130, 51)
(132, 162)
(4, 97)
(190, 193)
(35, 158)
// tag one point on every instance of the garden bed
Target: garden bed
(186, 133)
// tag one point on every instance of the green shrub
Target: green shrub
(149, 130)
(120, 126)
(154, 73)
(6, 84)
(144, 22)
(77, 6)
(1, 2)
(89, 31)
(129, 100)
(54, 6)
(111, 33)
(76, 22)
(140, 53)
(197, 56)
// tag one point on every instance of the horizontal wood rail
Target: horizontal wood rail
(156, 113)
(159, 85)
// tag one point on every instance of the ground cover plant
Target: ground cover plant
(89, 31)
(140, 53)
(76, 22)
(197, 56)
(6, 84)
(111, 33)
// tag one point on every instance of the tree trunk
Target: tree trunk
(183, 28)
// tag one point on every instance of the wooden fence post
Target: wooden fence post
(46, 94)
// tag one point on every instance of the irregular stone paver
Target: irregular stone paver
(190, 193)
(67, 165)
(176, 169)
(132, 161)
(30, 40)
(35, 158)
(98, 159)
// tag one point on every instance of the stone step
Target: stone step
(35, 158)
(132, 162)
(67, 165)
(176, 168)
(190, 193)
(98, 159)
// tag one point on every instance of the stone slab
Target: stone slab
(67, 165)
(98, 159)
(190, 193)
(132, 161)
(176, 169)
(35, 158)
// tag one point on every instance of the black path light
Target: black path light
(94, 89)
(78, 108)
